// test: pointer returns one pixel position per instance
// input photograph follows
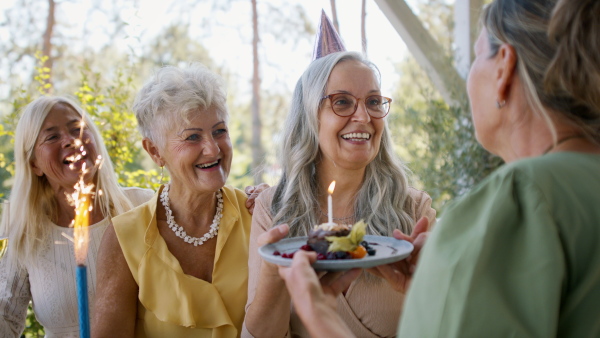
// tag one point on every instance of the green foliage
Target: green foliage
(33, 329)
(143, 178)
(109, 108)
(9, 121)
(438, 141)
(43, 74)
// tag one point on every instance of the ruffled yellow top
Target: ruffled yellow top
(173, 304)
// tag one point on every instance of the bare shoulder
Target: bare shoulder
(112, 264)
(110, 244)
(116, 291)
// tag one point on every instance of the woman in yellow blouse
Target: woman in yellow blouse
(177, 265)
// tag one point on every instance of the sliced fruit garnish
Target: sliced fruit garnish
(349, 242)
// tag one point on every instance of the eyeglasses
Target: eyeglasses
(345, 105)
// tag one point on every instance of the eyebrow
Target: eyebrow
(200, 129)
(347, 92)
(53, 128)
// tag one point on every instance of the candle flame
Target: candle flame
(331, 187)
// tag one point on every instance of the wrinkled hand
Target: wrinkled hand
(273, 235)
(331, 283)
(253, 192)
(315, 298)
(399, 274)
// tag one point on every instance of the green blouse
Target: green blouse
(518, 256)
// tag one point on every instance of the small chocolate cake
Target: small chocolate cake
(316, 237)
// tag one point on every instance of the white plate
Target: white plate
(389, 250)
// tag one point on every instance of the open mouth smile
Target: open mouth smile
(357, 137)
(208, 165)
(72, 159)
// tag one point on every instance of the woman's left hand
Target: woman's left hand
(313, 296)
(253, 191)
(399, 274)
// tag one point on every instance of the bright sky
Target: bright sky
(228, 34)
(284, 63)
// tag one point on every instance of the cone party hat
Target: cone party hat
(328, 41)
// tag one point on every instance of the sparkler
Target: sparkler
(82, 198)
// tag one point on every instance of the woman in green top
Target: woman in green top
(519, 255)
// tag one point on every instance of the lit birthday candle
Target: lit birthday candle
(330, 203)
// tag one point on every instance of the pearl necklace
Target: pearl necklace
(178, 230)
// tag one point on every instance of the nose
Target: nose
(68, 141)
(361, 114)
(211, 148)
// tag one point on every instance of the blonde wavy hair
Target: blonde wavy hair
(32, 202)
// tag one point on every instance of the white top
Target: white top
(50, 281)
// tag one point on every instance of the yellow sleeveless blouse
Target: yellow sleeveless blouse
(173, 304)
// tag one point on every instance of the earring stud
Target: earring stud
(499, 104)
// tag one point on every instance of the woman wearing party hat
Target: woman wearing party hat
(336, 130)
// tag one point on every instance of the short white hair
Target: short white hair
(172, 94)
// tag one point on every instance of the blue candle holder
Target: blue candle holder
(82, 301)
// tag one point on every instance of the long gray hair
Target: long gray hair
(383, 199)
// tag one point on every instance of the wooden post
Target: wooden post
(466, 17)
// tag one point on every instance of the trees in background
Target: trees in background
(363, 29)
(258, 153)
(47, 44)
(437, 141)
(336, 24)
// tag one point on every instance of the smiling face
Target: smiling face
(55, 147)
(350, 142)
(198, 154)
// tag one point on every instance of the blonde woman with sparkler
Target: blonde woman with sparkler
(40, 263)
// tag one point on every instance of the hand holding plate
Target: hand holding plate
(315, 299)
(399, 274)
